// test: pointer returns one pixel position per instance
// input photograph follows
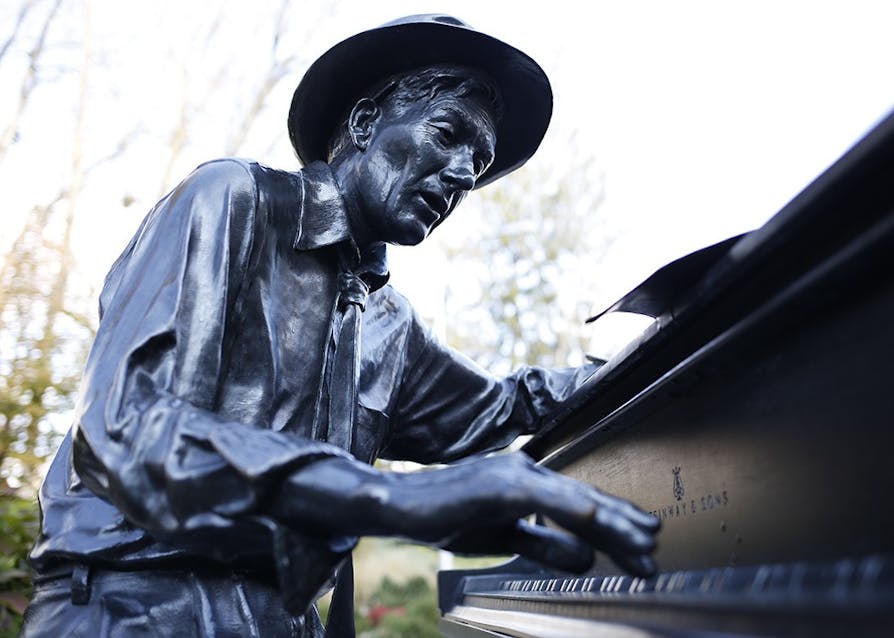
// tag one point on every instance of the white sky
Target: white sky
(705, 117)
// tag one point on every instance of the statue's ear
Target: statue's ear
(362, 121)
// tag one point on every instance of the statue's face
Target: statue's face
(418, 166)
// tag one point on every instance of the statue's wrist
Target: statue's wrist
(322, 497)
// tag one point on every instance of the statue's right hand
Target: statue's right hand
(477, 507)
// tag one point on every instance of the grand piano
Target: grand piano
(755, 417)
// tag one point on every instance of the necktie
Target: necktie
(344, 371)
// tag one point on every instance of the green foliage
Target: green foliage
(361, 621)
(420, 621)
(43, 344)
(415, 609)
(392, 594)
(18, 529)
(395, 610)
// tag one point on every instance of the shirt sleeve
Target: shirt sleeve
(448, 407)
(146, 438)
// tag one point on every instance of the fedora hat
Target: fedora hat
(333, 83)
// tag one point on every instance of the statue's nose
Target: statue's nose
(459, 174)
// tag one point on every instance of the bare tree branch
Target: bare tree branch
(23, 13)
(274, 75)
(56, 300)
(275, 72)
(122, 146)
(180, 133)
(28, 82)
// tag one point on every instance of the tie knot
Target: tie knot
(352, 290)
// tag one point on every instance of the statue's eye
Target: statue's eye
(445, 133)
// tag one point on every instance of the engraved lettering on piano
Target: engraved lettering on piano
(707, 502)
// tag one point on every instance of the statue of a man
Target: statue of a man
(251, 363)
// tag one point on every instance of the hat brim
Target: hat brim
(340, 76)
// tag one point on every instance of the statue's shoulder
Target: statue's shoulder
(241, 181)
(230, 171)
(226, 171)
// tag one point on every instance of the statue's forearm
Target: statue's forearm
(341, 496)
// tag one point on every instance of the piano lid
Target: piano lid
(659, 293)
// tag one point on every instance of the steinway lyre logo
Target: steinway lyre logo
(678, 484)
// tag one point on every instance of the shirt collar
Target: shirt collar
(323, 221)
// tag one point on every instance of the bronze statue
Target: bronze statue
(251, 363)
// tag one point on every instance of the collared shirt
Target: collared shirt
(199, 393)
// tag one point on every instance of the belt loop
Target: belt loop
(80, 584)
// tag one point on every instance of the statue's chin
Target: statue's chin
(409, 232)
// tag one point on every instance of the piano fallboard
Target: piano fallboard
(771, 443)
